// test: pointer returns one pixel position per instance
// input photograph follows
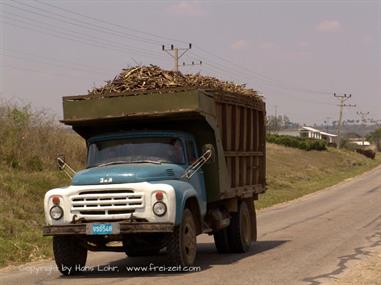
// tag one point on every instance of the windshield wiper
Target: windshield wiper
(113, 162)
(127, 162)
(146, 161)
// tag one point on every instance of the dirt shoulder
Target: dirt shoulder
(366, 272)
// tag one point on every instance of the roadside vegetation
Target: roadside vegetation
(297, 142)
(30, 142)
(292, 173)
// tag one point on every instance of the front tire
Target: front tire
(182, 243)
(70, 254)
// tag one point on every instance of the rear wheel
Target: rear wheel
(70, 254)
(182, 243)
(221, 241)
(240, 230)
(139, 251)
(143, 244)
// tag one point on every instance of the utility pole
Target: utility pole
(342, 99)
(364, 120)
(276, 118)
(174, 53)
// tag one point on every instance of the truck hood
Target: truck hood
(127, 173)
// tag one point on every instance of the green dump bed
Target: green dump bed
(234, 124)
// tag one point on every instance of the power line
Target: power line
(270, 81)
(112, 24)
(71, 33)
(76, 23)
(238, 69)
(55, 60)
(23, 58)
(256, 74)
(68, 36)
(265, 82)
(60, 75)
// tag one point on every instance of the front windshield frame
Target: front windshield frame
(94, 163)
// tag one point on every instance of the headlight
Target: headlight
(159, 209)
(56, 212)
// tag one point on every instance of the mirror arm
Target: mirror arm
(70, 172)
(195, 166)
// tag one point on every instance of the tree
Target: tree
(375, 137)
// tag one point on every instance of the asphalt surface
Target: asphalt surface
(312, 240)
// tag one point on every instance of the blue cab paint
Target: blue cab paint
(150, 172)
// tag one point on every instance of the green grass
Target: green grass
(21, 214)
(292, 173)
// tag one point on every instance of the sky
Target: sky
(297, 54)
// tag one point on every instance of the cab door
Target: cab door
(197, 180)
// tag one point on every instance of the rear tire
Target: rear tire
(240, 230)
(182, 243)
(138, 251)
(221, 241)
(143, 244)
(70, 254)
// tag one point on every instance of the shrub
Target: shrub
(297, 142)
(367, 152)
(31, 140)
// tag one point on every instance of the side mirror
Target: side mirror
(206, 148)
(62, 165)
(208, 156)
(61, 162)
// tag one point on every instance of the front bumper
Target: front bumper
(124, 228)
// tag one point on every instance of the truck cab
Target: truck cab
(126, 173)
(142, 177)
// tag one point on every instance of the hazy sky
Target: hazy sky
(297, 53)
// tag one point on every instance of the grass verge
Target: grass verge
(22, 214)
(292, 173)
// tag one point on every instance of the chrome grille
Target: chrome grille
(104, 203)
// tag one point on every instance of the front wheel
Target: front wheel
(70, 254)
(182, 243)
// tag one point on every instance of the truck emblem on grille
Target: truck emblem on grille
(105, 180)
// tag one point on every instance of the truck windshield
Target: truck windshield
(136, 150)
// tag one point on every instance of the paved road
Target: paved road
(308, 241)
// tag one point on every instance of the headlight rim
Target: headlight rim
(50, 212)
(165, 207)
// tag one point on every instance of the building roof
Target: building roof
(309, 129)
(328, 134)
(317, 131)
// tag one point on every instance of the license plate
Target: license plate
(102, 229)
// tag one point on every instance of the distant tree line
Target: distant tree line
(281, 122)
(375, 137)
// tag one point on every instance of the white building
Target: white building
(308, 132)
(311, 133)
(330, 138)
(359, 141)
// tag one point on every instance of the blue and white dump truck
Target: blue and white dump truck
(162, 168)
